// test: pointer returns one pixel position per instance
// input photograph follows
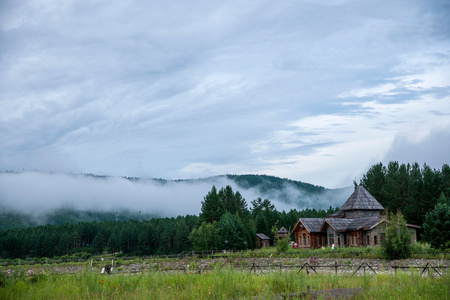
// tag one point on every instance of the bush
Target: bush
(283, 245)
(398, 239)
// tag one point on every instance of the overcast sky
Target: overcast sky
(315, 91)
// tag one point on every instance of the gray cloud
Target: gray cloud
(432, 149)
(159, 90)
(36, 192)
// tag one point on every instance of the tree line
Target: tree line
(226, 221)
(224, 218)
(408, 187)
(421, 194)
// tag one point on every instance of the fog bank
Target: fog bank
(37, 193)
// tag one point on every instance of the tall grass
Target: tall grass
(221, 283)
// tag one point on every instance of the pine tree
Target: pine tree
(231, 232)
(212, 208)
(99, 243)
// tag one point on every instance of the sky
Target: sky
(315, 91)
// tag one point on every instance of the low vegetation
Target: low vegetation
(220, 283)
(419, 251)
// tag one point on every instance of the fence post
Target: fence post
(425, 269)
(335, 267)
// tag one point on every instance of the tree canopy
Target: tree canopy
(407, 186)
(437, 224)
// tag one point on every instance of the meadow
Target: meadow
(223, 279)
(223, 282)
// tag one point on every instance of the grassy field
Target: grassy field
(45, 280)
(221, 283)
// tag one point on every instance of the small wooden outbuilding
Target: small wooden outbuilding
(282, 233)
(262, 240)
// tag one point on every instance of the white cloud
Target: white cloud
(358, 138)
(296, 89)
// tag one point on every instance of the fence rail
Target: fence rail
(308, 267)
(336, 268)
(203, 254)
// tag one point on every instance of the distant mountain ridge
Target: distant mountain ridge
(285, 193)
(292, 192)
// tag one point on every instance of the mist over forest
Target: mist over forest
(43, 195)
(136, 216)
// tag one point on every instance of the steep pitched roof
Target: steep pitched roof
(262, 236)
(312, 224)
(283, 230)
(361, 199)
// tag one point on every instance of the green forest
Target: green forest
(157, 236)
(227, 221)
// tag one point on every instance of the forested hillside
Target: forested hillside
(228, 220)
(265, 184)
(69, 198)
(12, 219)
(234, 228)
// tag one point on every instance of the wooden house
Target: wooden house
(358, 223)
(282, 233)
(262, 240)
(307, 233)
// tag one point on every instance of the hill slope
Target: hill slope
(32, 198)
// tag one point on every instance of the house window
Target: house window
(309, 242)
(368, 240)
(375, 240)
(353, 241)
(331, 238)
(304, 239)
(382, 237)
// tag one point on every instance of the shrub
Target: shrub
(283, 245)
(398, 239)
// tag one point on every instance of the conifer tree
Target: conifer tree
(437, 224)
(397, 244)
(212, 208)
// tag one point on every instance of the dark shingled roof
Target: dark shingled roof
(360, 223)
(312, 224)
(262, 236)
(337, 214)
(339, 223)
(361, 199)
(283, 230)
